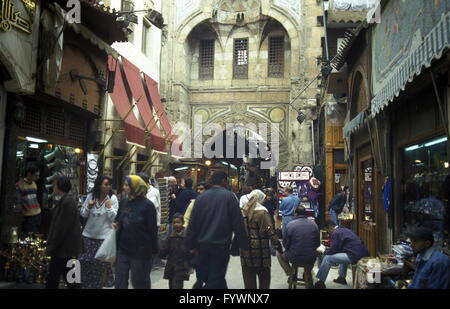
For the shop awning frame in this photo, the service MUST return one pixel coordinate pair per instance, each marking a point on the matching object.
(133, 75)
(152, 87)
(134, 133)
(432, 48)
(355, 124)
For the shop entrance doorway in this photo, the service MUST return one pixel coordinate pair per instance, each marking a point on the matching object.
(366, 203)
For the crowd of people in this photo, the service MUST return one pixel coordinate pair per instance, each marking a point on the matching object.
(206, 227)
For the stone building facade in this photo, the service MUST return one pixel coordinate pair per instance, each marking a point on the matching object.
(244, 62)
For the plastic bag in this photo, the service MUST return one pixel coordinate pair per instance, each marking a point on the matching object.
(107, 251)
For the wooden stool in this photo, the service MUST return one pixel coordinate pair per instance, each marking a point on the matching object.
(307, 276)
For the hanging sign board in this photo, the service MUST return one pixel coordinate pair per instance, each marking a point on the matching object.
(294, 176)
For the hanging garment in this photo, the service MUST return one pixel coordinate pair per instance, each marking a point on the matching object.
(387, 195)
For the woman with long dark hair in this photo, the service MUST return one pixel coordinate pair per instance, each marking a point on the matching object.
(100, 209)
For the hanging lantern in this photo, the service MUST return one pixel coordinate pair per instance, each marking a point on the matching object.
(19, 110)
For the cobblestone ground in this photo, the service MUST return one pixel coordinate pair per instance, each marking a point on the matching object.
(235, 281)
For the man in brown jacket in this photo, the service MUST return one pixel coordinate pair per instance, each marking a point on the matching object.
(64, 238)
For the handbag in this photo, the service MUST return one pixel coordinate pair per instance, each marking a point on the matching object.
(108, 250)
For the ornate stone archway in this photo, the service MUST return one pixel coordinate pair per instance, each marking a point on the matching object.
(239, 117)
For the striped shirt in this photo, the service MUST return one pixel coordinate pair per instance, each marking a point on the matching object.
(28, 198)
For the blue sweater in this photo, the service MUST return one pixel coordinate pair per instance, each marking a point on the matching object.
(138, 232)
(288, 205)
(432, 271)
(344, 240)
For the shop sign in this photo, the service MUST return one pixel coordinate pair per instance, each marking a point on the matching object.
(11, 16)
(368, 175)
(19, 36)
(337, 178)
(92, 170)
(293, 176)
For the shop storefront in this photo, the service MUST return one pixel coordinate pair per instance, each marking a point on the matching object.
(425, 169)
(54, 140)
(48, 124)
(410, 100)
(422, 161)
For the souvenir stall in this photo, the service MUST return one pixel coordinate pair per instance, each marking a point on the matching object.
(26, 261)
(305, 186)
(164, 195)
(386, 271)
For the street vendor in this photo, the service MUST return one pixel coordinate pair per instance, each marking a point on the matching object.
(346, 249)
(432, 266)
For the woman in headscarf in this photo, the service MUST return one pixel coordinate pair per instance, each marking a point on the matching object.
(256, 262)
(137, 238)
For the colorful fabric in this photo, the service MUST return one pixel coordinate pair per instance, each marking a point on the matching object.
(387, 196)
(137, 185)
(28, 198)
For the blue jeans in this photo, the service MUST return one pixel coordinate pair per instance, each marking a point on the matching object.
(212, 265)
(334, 216)
(140, 272)
(315, 207)
(339, 258)
(285, 221)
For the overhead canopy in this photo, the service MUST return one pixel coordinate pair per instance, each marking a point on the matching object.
(133, 75)
(407, 53)
(98, 17)
(134, 133)
(152, 87)
(354, 125)
(86, 33)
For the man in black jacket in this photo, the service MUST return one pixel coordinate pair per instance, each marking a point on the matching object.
(214, 219)
(64, 238)
(186, 196)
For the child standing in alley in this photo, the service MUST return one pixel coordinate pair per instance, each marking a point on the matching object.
(179, 259)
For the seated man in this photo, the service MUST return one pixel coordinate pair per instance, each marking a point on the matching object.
(301, 240)
(432, 266)
(346, 248)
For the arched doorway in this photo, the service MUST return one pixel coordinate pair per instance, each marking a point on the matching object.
(243, 154)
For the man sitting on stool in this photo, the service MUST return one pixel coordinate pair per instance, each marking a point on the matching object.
(300, 241)
(346, 248)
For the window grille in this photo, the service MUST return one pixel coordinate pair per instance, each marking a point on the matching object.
(77, 131)
(276, 57)
(32, 118)
(240, 63)
(55, 122)
(206, 61)
(127, 6)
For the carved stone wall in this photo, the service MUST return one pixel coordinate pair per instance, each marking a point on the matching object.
(258, 98)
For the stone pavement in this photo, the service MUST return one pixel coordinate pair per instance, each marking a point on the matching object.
(235, 281)
(234, 278)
